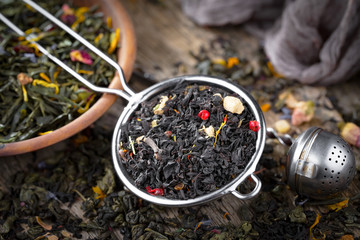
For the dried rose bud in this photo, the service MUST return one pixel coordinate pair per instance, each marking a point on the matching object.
(351, 133)
(282, 126)
(233, 104)
(24, 79)
(303, 112)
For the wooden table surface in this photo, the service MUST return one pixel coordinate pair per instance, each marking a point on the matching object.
(165, 36)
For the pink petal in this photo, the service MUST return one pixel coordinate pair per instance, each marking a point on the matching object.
(80, 56)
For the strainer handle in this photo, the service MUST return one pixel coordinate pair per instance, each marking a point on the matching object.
(254, 192)
(63, 65)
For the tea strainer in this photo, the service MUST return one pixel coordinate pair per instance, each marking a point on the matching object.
(319, 164)
(135, 100)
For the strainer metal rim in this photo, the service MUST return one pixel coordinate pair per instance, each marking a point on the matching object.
(228, 188)
(295, 152)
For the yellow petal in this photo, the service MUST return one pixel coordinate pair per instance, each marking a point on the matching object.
(265, 107)
(219, 61)
(338, 206)
(44, 133)
(232, 62)
(99, 192)
(46, 84)
(218, 131)
(114, 40)
(24, 93)
(351, 133)
(98, 38)
(314, 224)
(273, 71)
(45, 77)
(109, 22)
(84, 109)
(44, 225)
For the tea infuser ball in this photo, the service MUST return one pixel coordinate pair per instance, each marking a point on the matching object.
(319, 164)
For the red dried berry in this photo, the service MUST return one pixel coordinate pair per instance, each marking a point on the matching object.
(204, 114)
(168, 133)
(254, 125)
(155, 191)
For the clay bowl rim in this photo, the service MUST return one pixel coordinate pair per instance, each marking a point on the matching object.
(126, 59)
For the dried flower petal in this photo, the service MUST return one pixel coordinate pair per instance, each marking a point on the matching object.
(288, 99)
(114, 38)
(158, 109)
(351, 133)
(24, 79)
(179, 186)
(46, 84)
(139, 139)
(80, 56)
(338, 206)
(99, 192)
(44, 225)
(233, 104)
(314, 224)
(79, 13)
(282, 126)
(219, 61)
(210, 131)
(109, 22)
(303, 112)
(265, 107)
(98, 38)
(347, 237)
(68, 17)
(273, 71)
(23, 48)
(232, 61)
(45, 77)
(218, 131)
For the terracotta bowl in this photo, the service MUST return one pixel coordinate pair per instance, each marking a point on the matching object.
(126, 59)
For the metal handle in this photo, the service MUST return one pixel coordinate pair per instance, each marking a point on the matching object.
(255, 191)
(83, 41)
(127, 93)
(286, 139)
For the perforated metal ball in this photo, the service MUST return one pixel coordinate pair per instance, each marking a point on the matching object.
(320, 164)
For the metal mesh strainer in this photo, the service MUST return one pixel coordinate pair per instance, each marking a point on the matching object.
(319, 164)
(135, 100)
